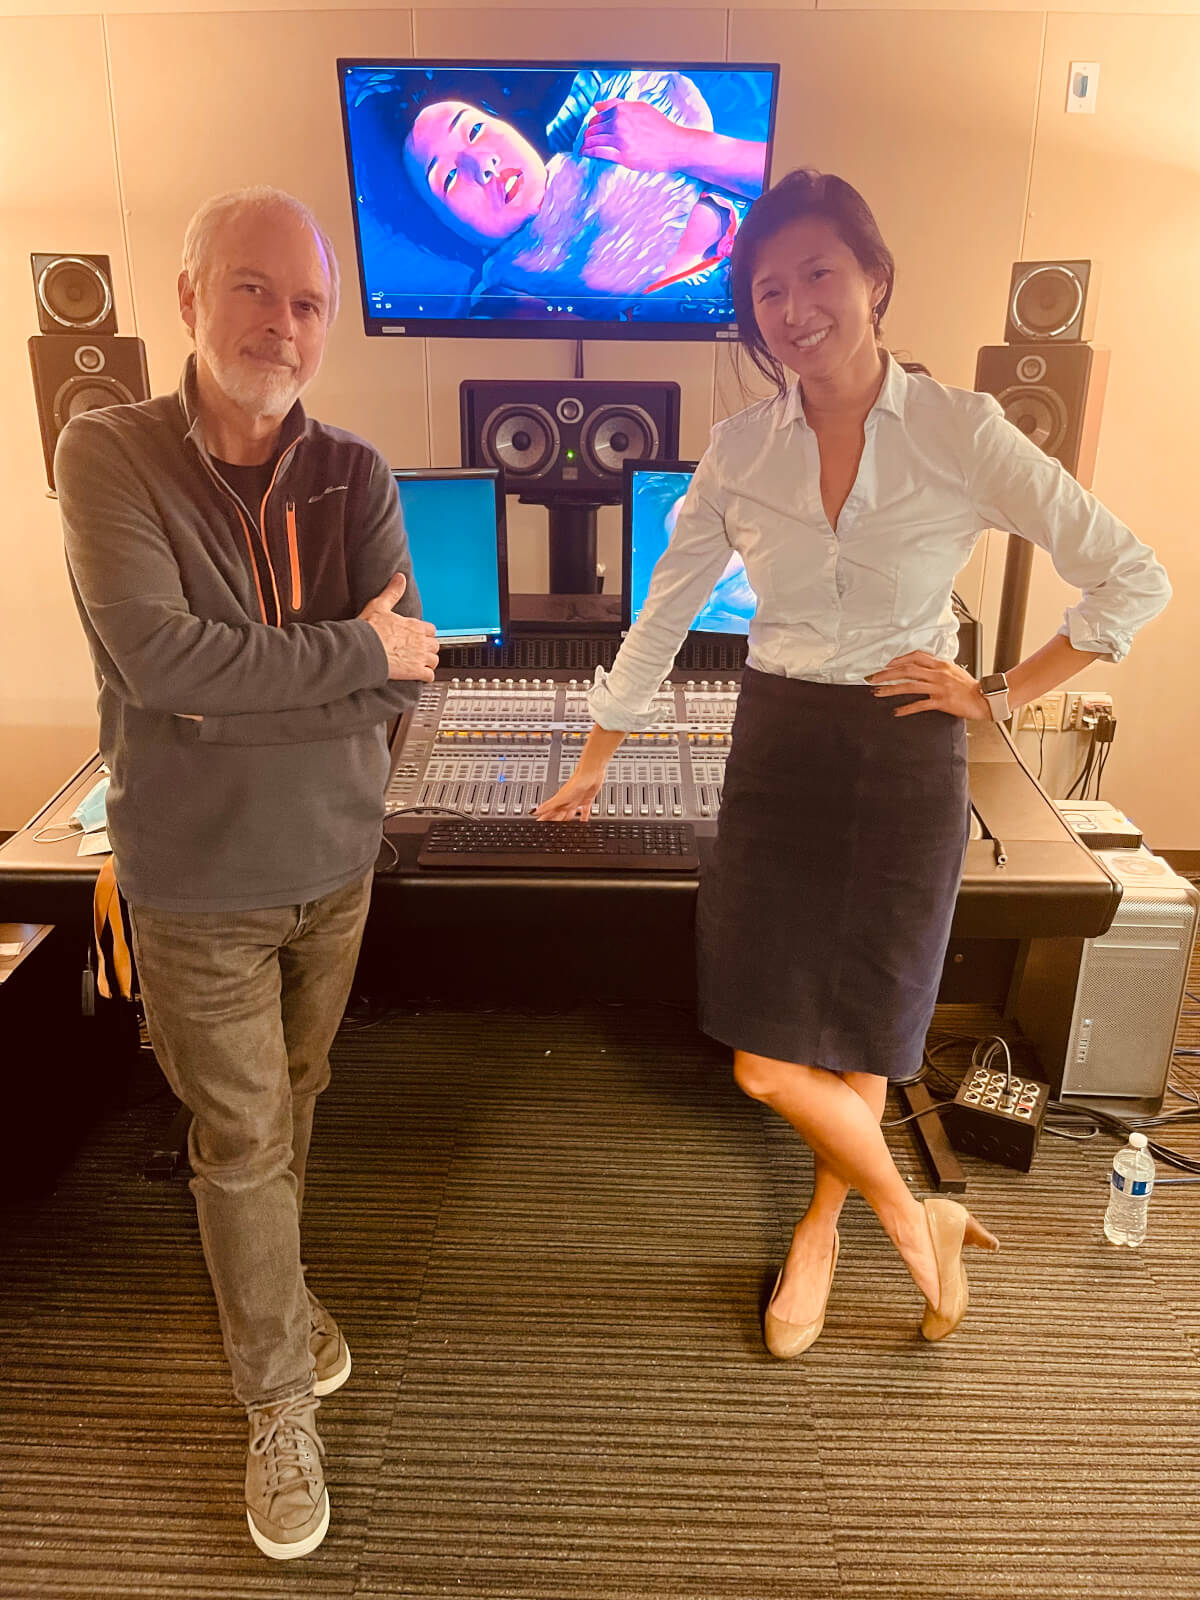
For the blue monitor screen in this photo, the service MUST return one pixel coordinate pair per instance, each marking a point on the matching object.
(579, 199)
(654, 497)
(452, 522)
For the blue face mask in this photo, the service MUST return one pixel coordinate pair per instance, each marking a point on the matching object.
(90, 812)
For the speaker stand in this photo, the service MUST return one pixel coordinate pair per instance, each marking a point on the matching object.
(572, 547)
(1014, 600)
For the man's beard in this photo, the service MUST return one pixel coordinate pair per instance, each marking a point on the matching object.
(261, 391)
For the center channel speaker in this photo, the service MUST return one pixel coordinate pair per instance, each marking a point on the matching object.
(1054, 393)
(83, 373)
(569, 440)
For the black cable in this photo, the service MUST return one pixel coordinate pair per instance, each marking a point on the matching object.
(1074, 1115)
(428, 811)
(1038, 712)
(1100, 766)
(1086, 770)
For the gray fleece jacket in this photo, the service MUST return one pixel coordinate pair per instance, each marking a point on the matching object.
(196, 605)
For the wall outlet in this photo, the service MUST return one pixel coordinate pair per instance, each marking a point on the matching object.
(1082, 709)
(1047, 706)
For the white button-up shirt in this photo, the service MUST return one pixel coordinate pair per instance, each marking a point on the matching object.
(938, 467)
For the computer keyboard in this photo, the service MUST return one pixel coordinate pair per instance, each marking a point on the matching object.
(530, 846)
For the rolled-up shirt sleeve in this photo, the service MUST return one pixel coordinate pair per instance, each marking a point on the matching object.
(695, 557)
(1016, 486)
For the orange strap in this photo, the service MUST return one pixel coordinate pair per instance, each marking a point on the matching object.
(114, 962)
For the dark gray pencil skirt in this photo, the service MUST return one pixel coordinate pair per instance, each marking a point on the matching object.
(824, 919)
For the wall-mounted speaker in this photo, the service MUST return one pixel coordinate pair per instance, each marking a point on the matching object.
(73, 375)
(1052, 302)
(1054, 393)
(74, 294)
(569, 440)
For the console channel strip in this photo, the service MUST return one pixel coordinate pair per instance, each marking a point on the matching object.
(496, 747)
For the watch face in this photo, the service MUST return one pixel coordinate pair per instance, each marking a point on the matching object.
(994, 683)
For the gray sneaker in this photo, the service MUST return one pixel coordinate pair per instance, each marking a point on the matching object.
(287, 1503)
(330, 1352)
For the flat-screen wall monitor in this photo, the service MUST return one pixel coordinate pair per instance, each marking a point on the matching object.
(654, 493)
(454, 519)
(583, 199)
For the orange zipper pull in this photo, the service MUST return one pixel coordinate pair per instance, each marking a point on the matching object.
(293, 553)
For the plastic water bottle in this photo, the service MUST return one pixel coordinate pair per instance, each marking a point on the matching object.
(1132, 1186)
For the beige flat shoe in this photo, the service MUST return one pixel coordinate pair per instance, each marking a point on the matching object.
(788, 1339)
(951, 1228)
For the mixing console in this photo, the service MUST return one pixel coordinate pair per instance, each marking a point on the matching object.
(495, 747)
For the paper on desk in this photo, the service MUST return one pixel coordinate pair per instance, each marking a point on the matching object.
(95, 844)
(14, 936)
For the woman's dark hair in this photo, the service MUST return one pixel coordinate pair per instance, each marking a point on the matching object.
(806, 193)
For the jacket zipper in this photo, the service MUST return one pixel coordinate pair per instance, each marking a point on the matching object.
(293, 553)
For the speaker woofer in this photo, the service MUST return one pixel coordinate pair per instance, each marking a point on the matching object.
(614, 435)
(1051, 302)
(74, 292)
(82, 394)
(1039, 413)
(522, 439)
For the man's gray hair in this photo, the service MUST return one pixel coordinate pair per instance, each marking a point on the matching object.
(223, 208)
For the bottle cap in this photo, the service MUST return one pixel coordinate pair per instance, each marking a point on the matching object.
(1138, 1141)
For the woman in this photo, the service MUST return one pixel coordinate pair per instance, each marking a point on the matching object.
(854, 496)
(620, 208)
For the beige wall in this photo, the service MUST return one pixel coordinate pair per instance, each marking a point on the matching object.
(950, 118)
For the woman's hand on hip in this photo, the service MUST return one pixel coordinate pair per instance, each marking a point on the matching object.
(945, 685)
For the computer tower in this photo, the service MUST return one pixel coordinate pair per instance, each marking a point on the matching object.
(1103, 1013)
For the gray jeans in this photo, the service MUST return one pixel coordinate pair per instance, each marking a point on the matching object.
(242, 1007)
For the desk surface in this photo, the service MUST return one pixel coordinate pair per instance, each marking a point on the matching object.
(1050, 885)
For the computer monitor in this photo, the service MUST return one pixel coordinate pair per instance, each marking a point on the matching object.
(454, 518)
(558, 199)
(654, 492)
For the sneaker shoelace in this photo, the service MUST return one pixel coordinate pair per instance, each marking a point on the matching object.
(283, 1437)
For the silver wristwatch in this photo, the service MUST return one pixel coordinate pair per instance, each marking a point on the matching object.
(994, 688)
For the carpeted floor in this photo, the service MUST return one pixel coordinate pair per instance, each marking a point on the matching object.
(548, 1239)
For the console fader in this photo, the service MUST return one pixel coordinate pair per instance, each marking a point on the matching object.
(495, 747)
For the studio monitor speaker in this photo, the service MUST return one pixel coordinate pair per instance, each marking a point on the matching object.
(567, 440)
(77, 374)
(1051, 302)
(74, 294)
(1054, 393)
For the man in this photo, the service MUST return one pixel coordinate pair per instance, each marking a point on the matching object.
(245, 585)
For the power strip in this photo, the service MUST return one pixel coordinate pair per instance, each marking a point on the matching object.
(997, 1117)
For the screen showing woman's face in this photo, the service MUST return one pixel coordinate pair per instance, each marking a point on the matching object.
(481, 177)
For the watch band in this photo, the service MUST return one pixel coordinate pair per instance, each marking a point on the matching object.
(994, 688)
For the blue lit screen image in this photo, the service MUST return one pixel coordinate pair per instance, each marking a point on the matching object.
(451, 527)
(654, 506)
(528, 195)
